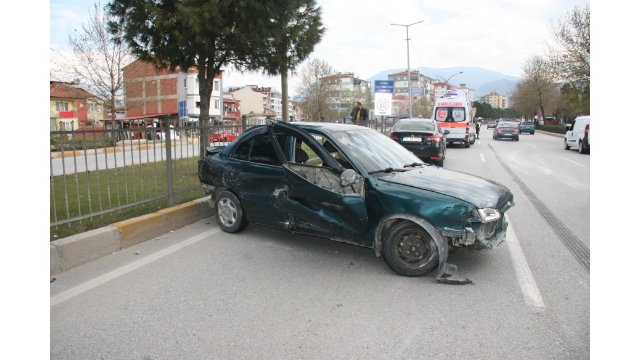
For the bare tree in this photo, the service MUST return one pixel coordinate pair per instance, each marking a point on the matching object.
(570, 56)
(315, 90)
(539, 81)
(96, 59)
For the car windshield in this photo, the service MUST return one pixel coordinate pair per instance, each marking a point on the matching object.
(414, 125)
(375, 151)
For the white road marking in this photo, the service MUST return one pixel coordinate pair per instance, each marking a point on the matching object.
(572, 161)
(482, 157)
(525, 277)
(530, 144)
(66, 295)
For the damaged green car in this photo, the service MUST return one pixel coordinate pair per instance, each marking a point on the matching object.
(352, 184)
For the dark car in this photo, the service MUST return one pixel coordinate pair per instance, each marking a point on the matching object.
(506, 130)
(527, 126)
(423, 137)
(353, 184)
(491, 124)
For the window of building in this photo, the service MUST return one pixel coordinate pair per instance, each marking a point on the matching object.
(216, 85)
(62, 106)
(185, 82)
(216, 104)
(52, 124)
(92, 107)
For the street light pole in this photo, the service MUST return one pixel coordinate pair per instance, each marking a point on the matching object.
(447, 81)
(408, 66)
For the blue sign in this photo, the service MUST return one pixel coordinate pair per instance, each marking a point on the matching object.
(182, 108)
(417, 92)
(383, 90)
(384, 83)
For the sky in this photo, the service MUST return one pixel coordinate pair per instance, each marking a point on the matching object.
(496, 35)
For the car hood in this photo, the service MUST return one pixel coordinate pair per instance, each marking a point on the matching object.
(473, 189)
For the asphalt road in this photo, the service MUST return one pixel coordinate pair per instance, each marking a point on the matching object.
(265, 293)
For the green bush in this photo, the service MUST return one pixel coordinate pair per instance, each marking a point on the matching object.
(559, 129)
(81, 144)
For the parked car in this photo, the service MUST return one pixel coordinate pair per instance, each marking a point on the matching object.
(353, 184)
(527, 126)
(223, 136)
(506, 129)
(577, 135)
(423, 137)
(491, 124)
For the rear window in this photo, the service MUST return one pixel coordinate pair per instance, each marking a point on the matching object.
(450, 114)
(507, 124)
(527, 123)
(414, 125)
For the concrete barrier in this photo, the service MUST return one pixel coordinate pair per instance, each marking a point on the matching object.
(80, 249)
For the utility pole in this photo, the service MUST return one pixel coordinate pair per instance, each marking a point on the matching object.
(408, 66)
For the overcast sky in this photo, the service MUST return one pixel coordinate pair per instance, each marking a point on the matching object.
(491, 34)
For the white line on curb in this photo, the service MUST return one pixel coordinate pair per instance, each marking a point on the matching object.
(66, 295)
(482, 157)
(527, 282)
(572, 161)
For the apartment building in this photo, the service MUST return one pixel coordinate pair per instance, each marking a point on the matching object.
(494, 99)
(150, 93)
(421, 85)
(71, 107)
(346, 90)
(259, 100)
(440, 89)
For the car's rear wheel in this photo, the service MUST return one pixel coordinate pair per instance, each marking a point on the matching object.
(566, 146)
(474, 140)
(439, 162)
(467, 144)
(229, 213)
(533, 133)
(581, 148)
(518, 138)
(409, 250)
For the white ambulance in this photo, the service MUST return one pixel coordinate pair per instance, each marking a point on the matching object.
(454, 112)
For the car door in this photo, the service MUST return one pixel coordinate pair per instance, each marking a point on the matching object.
(254, 173)
(313, 193)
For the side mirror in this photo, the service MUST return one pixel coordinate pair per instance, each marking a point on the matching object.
(446, 132)
(349, 177)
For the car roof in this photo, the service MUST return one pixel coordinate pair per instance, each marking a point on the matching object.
(327, 126)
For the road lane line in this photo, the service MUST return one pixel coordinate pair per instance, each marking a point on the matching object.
(482, 157)
(573, 161)
(530, 144)
(68, 294)
(525, 277)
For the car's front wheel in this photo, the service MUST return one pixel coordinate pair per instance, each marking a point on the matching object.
(566, 146)
(409, 250)
(229, 213)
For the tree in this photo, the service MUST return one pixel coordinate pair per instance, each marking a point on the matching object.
(184, 33)
(315, 90)
(423, 106)
(294, 31)
(96, 59)
(570, 59)
(539, 82)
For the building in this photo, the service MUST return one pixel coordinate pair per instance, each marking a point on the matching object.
(346, 90)
(150, 94)
(231, 108)
(494, 99)
(471, 95)
(259, 100)
(440, 89)
(71, 107)
(420, 85)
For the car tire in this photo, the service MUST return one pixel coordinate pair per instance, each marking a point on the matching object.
(518, 138)
(581, 148)
(467, 144)
(439, 162)
(229, 213)
(409, 250)
(566, 146)
(533, 133)
(474, 141)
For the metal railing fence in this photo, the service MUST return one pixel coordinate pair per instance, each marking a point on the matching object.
(100, 172)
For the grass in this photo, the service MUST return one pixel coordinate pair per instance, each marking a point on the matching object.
(107, 189)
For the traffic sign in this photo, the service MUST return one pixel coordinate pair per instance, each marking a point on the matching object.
(383, 86)
(383, 104)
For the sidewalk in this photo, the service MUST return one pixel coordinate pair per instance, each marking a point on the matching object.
(82, 248)
(123, 146)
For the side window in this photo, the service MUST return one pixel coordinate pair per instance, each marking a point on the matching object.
(263, 152)
(242, 151)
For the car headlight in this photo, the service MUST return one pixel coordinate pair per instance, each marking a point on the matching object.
(489, 214)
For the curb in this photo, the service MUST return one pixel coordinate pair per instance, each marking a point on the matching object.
(79, 249)
(550, 133)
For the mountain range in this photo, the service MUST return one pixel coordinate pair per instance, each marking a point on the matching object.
(482, 81)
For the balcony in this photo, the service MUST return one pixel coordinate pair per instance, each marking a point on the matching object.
(67, 114)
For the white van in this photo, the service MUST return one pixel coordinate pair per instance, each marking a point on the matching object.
(454, 112)
(578, 135)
